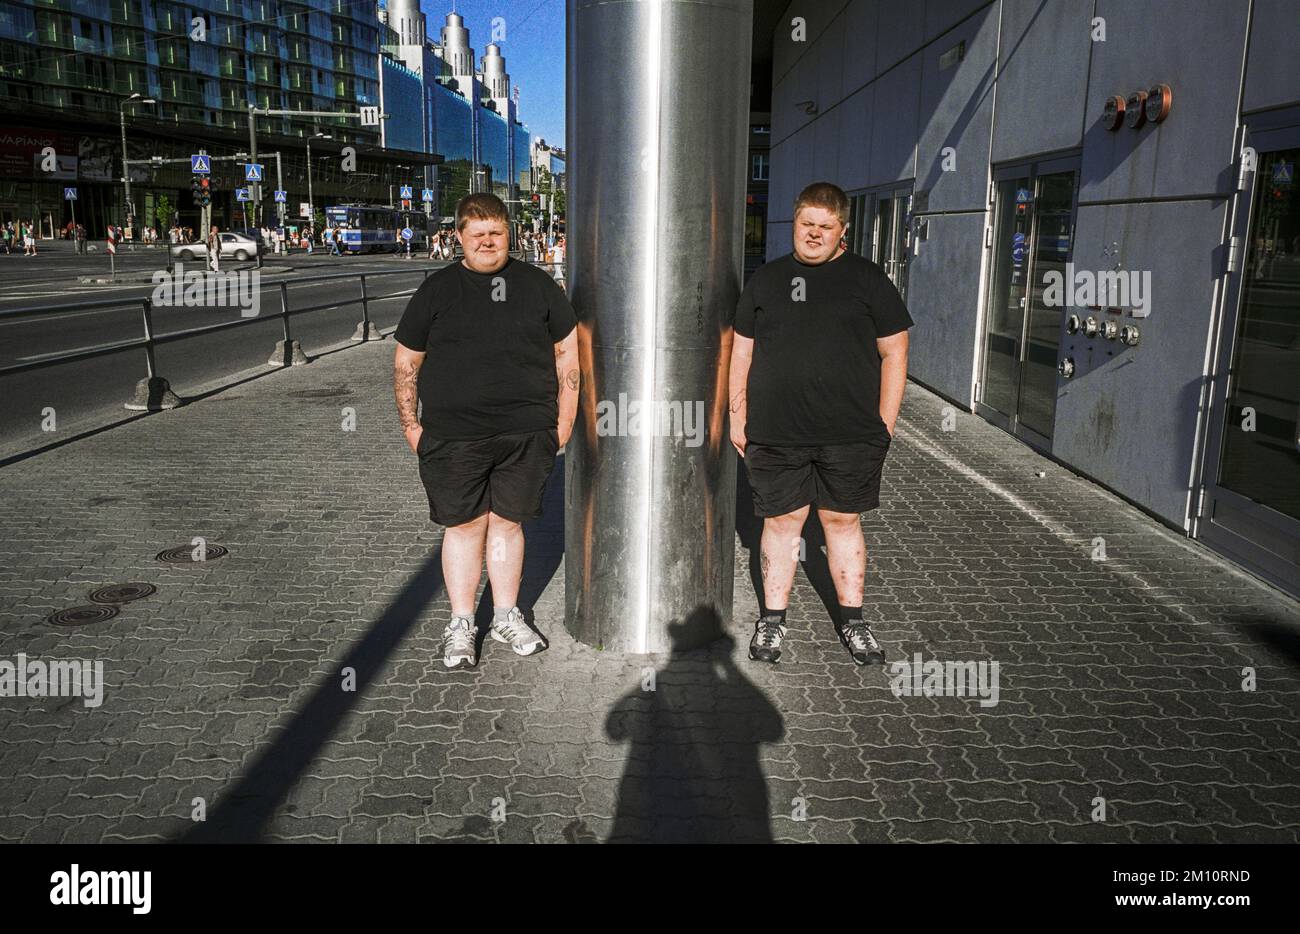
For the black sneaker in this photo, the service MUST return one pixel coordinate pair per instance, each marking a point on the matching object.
(862, 645)
(769, 632)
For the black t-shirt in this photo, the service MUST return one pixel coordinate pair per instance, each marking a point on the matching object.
(815, 376)
(490, 340)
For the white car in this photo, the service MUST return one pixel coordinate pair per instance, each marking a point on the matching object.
(233, 245)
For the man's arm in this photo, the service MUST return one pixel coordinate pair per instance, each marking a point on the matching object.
(893, 376)
(406, 375)
(742, 355)
(567, 375)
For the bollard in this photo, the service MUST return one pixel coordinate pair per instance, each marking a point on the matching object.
(153, 393)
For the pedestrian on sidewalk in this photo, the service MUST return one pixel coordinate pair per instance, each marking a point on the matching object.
(499, 396)
(214, 249)
(80, 234)
(818, 367)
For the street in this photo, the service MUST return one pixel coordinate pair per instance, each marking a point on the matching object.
(91, 393)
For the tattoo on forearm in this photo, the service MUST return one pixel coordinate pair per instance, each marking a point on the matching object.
(571, 379)
(406, 379)
(737, 401)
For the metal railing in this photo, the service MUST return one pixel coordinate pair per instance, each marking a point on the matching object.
(153, 386)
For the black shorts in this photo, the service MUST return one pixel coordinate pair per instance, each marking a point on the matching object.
(505, 474)
(838, 477)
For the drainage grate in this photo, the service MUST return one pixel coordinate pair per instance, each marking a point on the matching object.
(184, 554)
(82, 615)
(123, 593)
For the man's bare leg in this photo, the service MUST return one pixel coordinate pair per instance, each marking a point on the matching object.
(462, 563)
(505, 559)
(780, 553)
(846, 553)
(779, 550)
(505, 544)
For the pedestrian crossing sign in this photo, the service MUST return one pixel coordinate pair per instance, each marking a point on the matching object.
(241, 194)
(69, 194)
(201, 164)
(406, 193)
(426, 194)
(252, 172)
(1283, 173)
(281, 197)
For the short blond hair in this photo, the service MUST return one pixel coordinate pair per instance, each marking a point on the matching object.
(824, 195)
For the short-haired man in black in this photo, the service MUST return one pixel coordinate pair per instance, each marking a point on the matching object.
(818, 368)
(489, 347)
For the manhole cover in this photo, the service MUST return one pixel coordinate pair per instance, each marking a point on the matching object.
(82, 615)
(184, 554)
(123, 593)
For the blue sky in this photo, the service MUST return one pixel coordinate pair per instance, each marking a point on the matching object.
(533, 47)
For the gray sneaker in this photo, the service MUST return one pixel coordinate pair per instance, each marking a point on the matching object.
(861, 643)
(769, 633)
(458, 643)
(515, 632)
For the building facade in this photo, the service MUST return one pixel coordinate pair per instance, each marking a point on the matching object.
(1091, 210)
(174, 78)
(471, 112)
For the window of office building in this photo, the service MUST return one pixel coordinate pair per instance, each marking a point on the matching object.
(758, 163)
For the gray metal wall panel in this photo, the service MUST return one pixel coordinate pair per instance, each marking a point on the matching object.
(855, 140)
(899, 31)
(1197, 52)
(829, 53)
(942, 15)
(1041, 87)
(860, 25)
(1272, 75)
(956, 107)
(894, 123)
(943, 298)
(826, 156)
(780, 184)
(1129, 419)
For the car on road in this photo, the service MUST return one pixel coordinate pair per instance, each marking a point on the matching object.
(233, 246)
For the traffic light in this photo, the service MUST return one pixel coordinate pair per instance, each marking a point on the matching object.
(194, 188)
(537, 199)
(205, 191)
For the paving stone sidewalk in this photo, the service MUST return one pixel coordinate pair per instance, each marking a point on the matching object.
(1120, 691)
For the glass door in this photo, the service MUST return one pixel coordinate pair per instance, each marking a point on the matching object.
(891, 234)
(1033, 234)
(1251, 507)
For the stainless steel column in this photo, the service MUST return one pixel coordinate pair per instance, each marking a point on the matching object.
(658, 100)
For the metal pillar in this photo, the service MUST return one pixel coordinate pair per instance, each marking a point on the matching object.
(658, 122)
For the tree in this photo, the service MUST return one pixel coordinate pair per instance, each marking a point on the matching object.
(162, 212)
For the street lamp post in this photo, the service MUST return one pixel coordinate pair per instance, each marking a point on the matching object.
(135, 98)
(311, 201)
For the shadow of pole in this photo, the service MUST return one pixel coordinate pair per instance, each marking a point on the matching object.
(244, 813)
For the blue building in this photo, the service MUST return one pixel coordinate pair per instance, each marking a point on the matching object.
(470, 115)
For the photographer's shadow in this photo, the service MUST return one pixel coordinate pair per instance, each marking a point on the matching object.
(694, 728)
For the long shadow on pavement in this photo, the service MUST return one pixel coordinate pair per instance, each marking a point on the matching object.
(244, 812)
